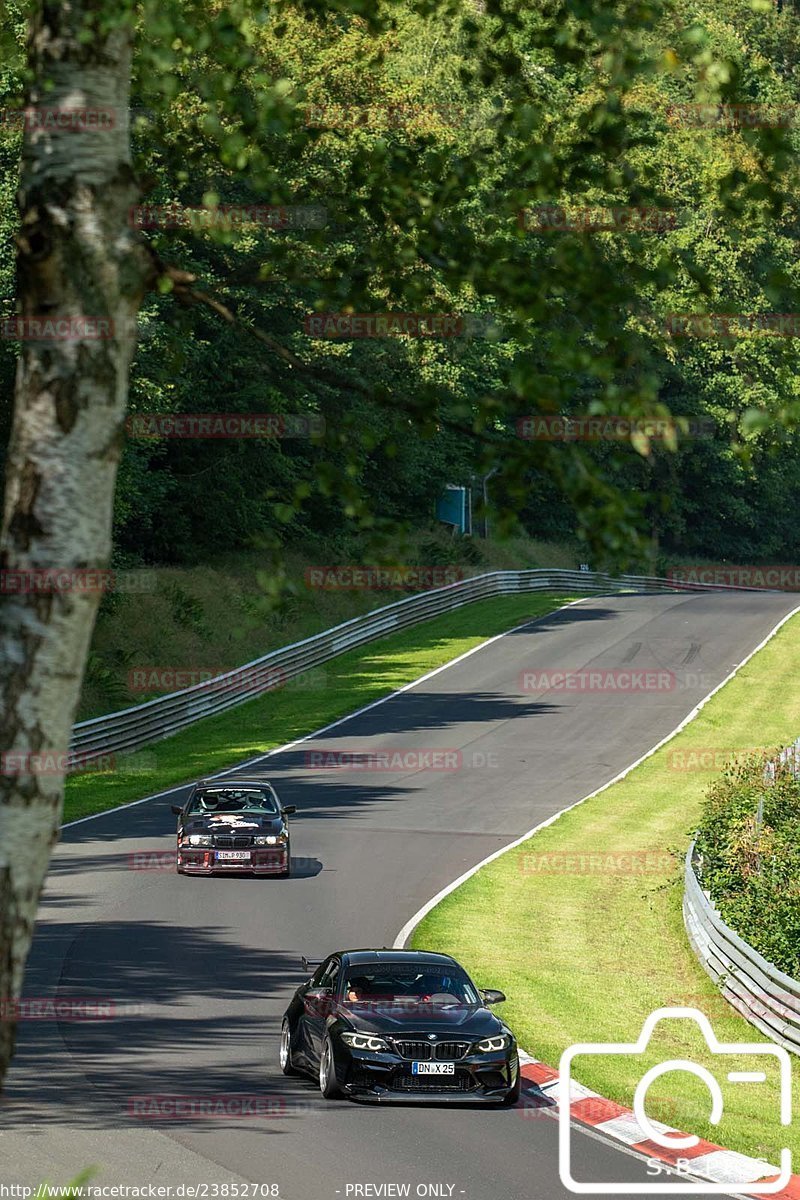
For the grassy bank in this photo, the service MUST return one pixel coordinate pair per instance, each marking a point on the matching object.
(581, 925)
(305, 704)
(215, 617)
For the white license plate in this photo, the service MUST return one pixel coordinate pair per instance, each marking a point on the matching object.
(429, 1068)
(233, 855)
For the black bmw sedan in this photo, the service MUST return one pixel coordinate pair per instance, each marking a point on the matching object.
(237, 825)
(404, 1025)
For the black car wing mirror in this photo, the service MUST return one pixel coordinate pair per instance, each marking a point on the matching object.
(319, 1001)
(492, 996)
(289, 809)
(176, 808)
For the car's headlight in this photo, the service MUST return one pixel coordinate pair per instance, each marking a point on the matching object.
(197, 839)
(364, 1041)
(272, 840)
(501, 1042)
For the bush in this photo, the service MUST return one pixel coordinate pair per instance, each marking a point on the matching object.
(445, 549)
(752, 872)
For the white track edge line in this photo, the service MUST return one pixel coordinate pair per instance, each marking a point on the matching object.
(411, 924)
(339, 720)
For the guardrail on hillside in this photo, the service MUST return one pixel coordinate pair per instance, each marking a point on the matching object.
(142, 724)
(765, 996)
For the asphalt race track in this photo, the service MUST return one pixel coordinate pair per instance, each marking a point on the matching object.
(200, 970)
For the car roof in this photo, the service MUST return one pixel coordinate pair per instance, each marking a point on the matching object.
(361, 958)
(211, 785)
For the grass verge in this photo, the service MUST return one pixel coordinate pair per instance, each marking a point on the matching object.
(220, 615)
(581, 925)
(303, 705)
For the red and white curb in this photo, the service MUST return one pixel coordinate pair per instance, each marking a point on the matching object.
(614, 1121)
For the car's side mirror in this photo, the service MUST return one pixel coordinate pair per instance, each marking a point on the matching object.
(176, 808)
(318, 1001)
(492, 996)
(289, 809)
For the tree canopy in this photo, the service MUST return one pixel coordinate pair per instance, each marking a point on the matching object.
(413, 135)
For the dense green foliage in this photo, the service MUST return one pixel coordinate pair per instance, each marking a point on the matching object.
(752, 870)
(436, 123)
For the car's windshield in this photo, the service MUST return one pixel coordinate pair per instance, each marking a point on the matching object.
(234, 800)
(413, 985)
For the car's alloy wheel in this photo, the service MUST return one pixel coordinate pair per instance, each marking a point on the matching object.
(327, 1073)
(285, 1051)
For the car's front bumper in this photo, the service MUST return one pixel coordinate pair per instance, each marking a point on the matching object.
(263, 861)
(477, 1078)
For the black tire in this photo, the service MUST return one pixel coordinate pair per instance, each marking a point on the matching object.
(328, 1083)
(513, 1096)
(285, 1052)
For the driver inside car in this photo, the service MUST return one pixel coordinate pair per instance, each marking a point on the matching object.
(357, 988)
(433, 989)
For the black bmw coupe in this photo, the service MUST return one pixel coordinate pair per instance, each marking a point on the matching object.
(236, 825)
(403, 1025)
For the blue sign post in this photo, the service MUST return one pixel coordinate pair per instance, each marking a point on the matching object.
(454, 508)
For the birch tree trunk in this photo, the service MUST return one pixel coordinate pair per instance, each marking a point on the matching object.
(77, 258)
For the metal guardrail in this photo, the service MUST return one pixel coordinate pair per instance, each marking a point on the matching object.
(143, 724)
(763, 995)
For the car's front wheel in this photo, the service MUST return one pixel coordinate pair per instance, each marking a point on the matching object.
(285, 1051)
(328, 1083)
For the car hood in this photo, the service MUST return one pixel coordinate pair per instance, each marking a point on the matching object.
(227, 824)
(465, 1020)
